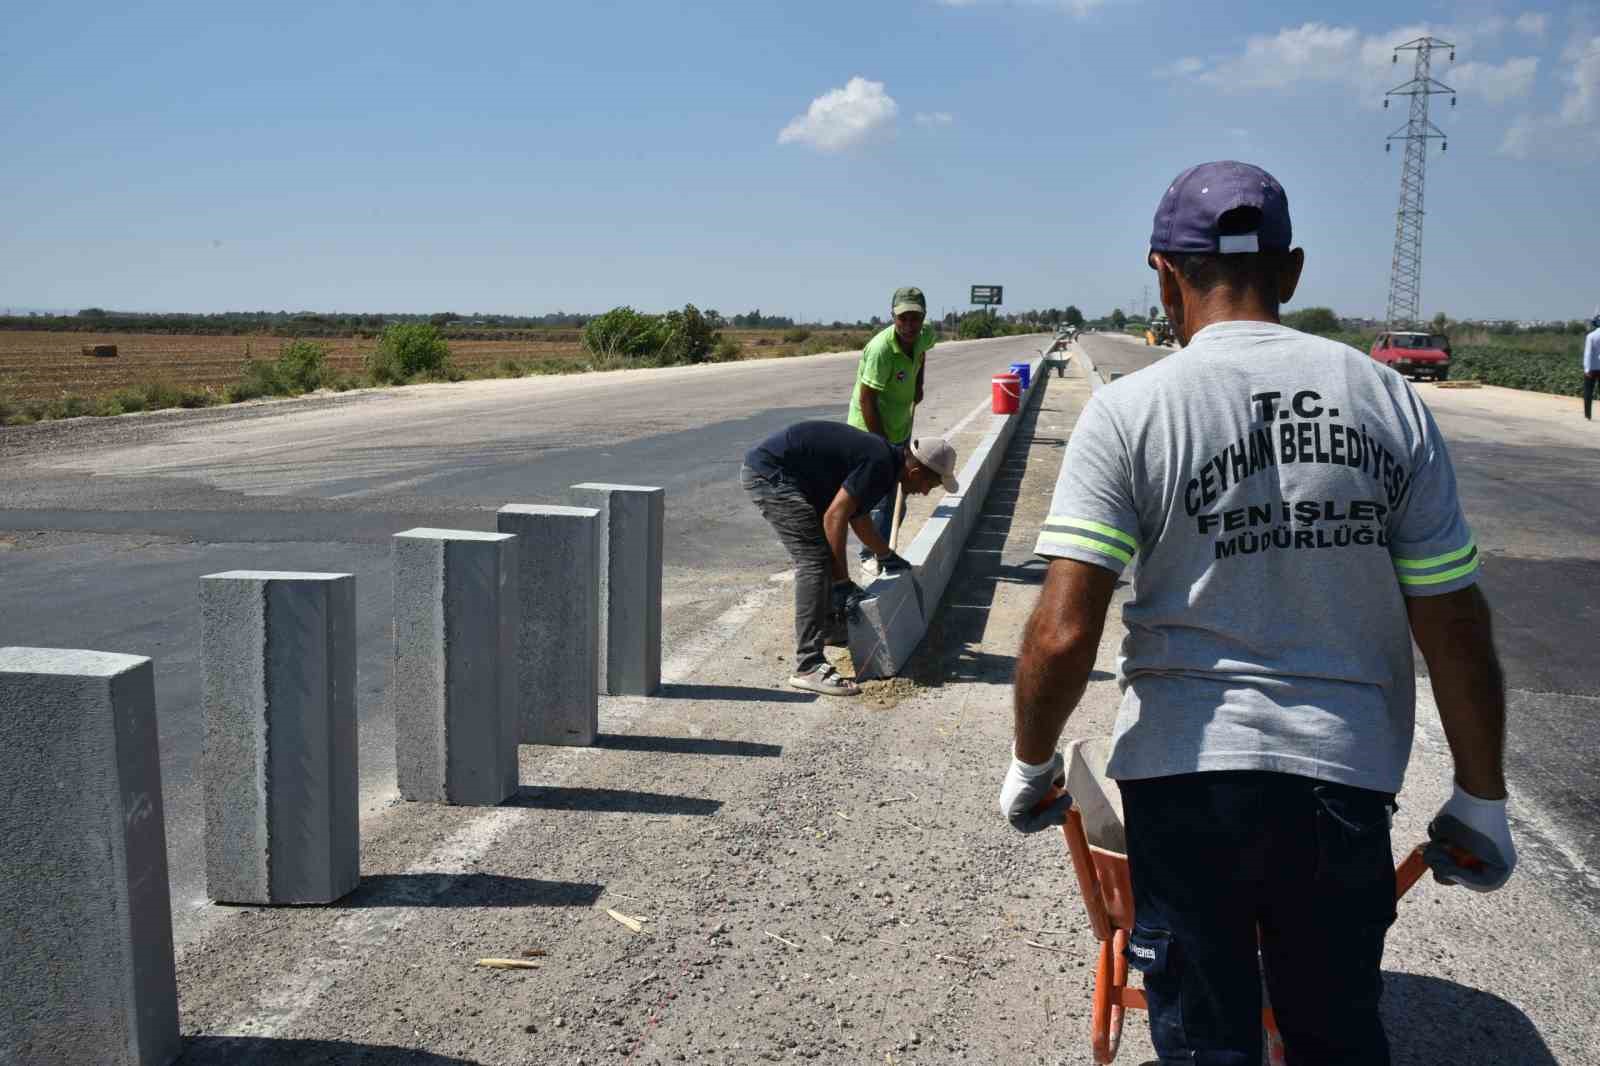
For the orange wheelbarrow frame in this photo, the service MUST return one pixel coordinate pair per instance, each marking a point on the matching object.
(1107, 891)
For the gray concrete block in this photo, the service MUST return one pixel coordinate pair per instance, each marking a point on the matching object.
(86, 947)
(558, 640)
(631, 522)
(279, 765)
(454, 688)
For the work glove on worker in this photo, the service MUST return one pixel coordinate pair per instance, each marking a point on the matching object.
(893, 563)
(1025, 789)
(1469, 843)
(847, 597)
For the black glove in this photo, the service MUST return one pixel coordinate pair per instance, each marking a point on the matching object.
(847, 596)
(893, 563)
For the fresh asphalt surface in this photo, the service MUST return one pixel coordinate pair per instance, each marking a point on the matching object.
(107, 525)
(1530, 485)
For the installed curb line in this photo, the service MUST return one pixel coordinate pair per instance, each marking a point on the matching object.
(894, 618)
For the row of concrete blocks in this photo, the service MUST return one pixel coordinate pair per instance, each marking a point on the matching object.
(497, 640)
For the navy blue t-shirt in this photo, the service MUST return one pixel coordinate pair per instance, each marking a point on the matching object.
(820, 458)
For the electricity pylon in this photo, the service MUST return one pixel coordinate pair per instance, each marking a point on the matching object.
(1405, 272)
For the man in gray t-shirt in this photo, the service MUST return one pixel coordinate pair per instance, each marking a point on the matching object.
(1289, 513)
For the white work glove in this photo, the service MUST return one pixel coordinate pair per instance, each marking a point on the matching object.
(1026, 786)
(1469, 843)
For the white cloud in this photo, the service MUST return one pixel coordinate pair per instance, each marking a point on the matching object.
(1319, 53)
(933, 119)
(1497, 84)
(1533, 23)
(1574, 129)
(843, 118)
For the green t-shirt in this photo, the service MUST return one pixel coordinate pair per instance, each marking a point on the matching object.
(892, 374)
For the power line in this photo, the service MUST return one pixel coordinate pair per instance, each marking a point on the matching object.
(1405, 271)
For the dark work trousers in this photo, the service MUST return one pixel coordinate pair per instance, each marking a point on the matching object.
(800, 529)
(1215, 856)
(1591, 382)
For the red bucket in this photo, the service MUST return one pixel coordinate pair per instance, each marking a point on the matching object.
(1007, 393)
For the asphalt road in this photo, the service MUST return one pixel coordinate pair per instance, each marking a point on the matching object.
(107, 525)
(1529, 478)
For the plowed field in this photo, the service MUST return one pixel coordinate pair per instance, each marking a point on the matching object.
(44, 366)
(47, 366)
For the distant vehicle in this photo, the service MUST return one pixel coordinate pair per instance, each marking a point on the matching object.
(1416, 355)
(1159, 332)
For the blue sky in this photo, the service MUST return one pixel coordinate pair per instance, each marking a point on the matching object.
(804, 158)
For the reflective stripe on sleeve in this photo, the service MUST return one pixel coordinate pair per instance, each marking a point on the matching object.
(1060, 531)
(1437, 560)
(1442, 576)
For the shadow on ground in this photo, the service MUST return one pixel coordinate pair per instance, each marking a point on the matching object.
(688, 745)
(271, 1051)
(610, 801)
(1430, 1021)
(467, 890)
(951, 649)
(734, 693)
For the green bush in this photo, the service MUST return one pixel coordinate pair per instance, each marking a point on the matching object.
(727, 350)
(687, 337)
(302, 365)
(344, 383)
(622, 333)
(409, 350)
(795, 336)
(978, 326)
(69, 406)
(1320, 320)
(509, 368)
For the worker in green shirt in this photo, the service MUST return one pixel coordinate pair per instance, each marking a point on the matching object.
(889, 383)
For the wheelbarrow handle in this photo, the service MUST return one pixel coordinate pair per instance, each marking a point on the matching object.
(1414, 865)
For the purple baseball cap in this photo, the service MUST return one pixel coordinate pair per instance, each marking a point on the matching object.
(1187, 219)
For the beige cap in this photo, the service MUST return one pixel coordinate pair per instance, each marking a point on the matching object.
(936, 454)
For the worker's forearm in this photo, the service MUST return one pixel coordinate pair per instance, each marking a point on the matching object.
(834, 525)
(867, 533)
(1468, 688)
(1051, 678)
(869, 409)
(1470, 692)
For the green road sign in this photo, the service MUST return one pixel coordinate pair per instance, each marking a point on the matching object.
(986, 295)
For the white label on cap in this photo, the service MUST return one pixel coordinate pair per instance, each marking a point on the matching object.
(1243, 242)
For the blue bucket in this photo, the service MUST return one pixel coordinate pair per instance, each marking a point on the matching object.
(1022, 370)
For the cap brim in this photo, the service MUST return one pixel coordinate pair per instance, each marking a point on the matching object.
(951, 485)
(900, 308)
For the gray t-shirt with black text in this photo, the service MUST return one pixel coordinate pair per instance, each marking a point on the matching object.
(1281, 493)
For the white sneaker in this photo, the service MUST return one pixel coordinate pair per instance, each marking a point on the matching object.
(870, 570)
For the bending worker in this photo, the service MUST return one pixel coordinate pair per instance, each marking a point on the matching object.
(1591, 367)
(889, 384)
(1294, 513)
(813, 481)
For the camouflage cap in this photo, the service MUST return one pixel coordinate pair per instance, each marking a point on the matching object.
(909, 299)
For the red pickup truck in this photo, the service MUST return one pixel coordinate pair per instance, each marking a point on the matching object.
(1417, 355)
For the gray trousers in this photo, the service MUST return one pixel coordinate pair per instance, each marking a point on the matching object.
(800, 529)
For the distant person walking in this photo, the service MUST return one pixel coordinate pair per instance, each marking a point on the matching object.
(889, 385)
(812, 482)
(1591, 367)
(1293, 513)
